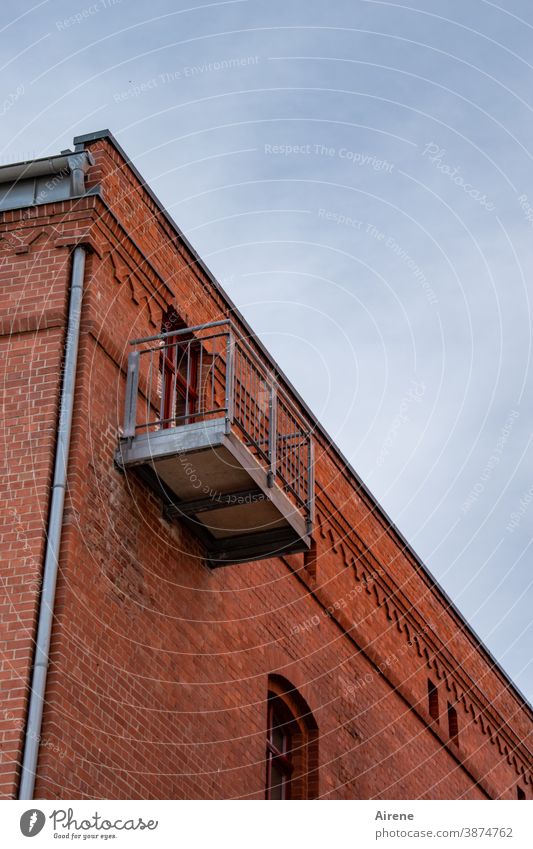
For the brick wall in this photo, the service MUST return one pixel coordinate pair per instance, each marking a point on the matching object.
(158, 682)
(33, 285)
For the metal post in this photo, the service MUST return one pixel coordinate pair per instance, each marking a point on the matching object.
(230, 388)
(272, 433)
(188, 379)
(130, 403)
(310, 486)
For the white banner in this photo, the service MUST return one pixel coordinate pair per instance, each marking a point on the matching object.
(264, 825)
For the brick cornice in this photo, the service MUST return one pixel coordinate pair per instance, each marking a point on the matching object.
(135, 267)
(352, 632)
(378, 584)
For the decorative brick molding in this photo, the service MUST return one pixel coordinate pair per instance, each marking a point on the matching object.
(378, 583)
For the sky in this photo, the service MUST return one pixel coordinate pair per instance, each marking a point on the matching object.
(359, 177)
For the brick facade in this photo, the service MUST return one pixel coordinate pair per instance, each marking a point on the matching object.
(160, 666)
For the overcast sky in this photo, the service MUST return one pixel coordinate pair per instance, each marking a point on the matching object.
(359, 176)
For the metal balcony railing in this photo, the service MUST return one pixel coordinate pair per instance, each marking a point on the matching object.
(196, 374)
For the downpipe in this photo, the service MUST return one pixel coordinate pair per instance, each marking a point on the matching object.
(55, 521)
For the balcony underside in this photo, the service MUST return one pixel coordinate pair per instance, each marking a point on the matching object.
(212, 482)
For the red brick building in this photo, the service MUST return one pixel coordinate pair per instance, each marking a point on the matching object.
(321, 660)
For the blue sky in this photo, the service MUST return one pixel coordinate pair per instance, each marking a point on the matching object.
(359, 177)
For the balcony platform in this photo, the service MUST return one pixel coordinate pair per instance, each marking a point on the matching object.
(210, 480)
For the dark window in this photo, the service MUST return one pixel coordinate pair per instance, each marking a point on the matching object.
(433, 700)
(179, 373)
(453, 725)
(310, 560)
(279, 750)
(520, 793)
(292, 744)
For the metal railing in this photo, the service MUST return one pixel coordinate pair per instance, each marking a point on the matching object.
(200, 373)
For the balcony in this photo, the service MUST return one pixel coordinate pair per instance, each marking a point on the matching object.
(207, 426)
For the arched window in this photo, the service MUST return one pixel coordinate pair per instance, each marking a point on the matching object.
(292, 744)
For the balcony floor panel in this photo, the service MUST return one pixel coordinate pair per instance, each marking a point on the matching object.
(256, 518)
(213, 482)
(206, 473)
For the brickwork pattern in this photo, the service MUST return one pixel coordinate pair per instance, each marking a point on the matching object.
(158, 681)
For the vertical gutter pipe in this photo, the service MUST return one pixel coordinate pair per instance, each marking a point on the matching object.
(55, 521)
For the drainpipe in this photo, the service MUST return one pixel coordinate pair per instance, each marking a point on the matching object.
(55, 521)
(79, 164)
